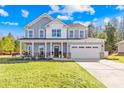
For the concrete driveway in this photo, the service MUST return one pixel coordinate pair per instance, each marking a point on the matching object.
(109, 73)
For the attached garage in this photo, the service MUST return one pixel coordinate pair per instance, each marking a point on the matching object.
(85, 51)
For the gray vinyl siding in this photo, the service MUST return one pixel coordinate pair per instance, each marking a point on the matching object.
(39, 25)
(26, 34)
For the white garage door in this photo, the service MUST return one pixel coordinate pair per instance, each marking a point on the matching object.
(85, 51)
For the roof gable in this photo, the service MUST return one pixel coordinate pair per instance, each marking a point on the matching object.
(37, 19)
(54, 21)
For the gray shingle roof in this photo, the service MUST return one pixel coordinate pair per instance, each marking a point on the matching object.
(75, 25)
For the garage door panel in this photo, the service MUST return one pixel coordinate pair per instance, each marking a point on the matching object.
(89, 51)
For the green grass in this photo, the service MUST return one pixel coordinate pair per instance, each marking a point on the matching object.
(45, 75)
(117, 58)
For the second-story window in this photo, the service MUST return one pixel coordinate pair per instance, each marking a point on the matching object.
(56, 33)
(81, 34)
(41, 34)
(71, 34)
(30, 34)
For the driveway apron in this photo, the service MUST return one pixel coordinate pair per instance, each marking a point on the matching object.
(109, 73)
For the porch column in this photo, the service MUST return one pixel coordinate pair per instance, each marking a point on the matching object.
(50, 49)
(67, 51)
(32, 49)
(45, 47)
(20, 49)
(62, 49)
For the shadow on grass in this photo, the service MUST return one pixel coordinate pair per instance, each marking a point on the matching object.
(20, 60)
(12, 61)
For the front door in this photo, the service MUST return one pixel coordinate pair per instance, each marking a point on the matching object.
(56, 51)
(41, 51)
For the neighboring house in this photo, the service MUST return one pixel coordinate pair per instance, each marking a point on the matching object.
(121, 48)
(51, 38)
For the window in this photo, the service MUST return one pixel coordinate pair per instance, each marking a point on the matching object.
(56, 33)
(88, 47)
(81, 46)
(41, 34)
(53, 33)
(81, 34)
(74, 46)
(30, 34)
(71, 34)
(95, 47)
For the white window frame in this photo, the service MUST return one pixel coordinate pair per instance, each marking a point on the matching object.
(32, 33)
(83, 33)
(56, 33)
(39, 33)
(73, 33)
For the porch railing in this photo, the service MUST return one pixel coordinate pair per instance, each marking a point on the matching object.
(48, 55)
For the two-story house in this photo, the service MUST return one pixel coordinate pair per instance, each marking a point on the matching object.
(51, 38)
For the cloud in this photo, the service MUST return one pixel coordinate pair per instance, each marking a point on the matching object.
(118, 18)
(95, 19)
(54, 8)
(120, 7)
(10, 23)
(83, 23)
(106, 20)
(64, 17)
(68, 10)
(25, 13)
(3, 13)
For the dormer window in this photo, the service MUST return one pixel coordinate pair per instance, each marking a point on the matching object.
(41, 33)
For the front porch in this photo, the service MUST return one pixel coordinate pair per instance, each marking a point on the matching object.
(45, 50)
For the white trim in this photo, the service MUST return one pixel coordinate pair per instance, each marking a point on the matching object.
(78, 41)
(39, 33)
(33, 49)
(56, 20)
(45, 46)
(20, 49)
(28, 33)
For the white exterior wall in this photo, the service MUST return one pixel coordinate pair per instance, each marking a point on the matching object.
(121, 47)
(56, 25)
(85, 52)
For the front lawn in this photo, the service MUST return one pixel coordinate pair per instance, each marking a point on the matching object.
(45, 74)
(116, 58)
